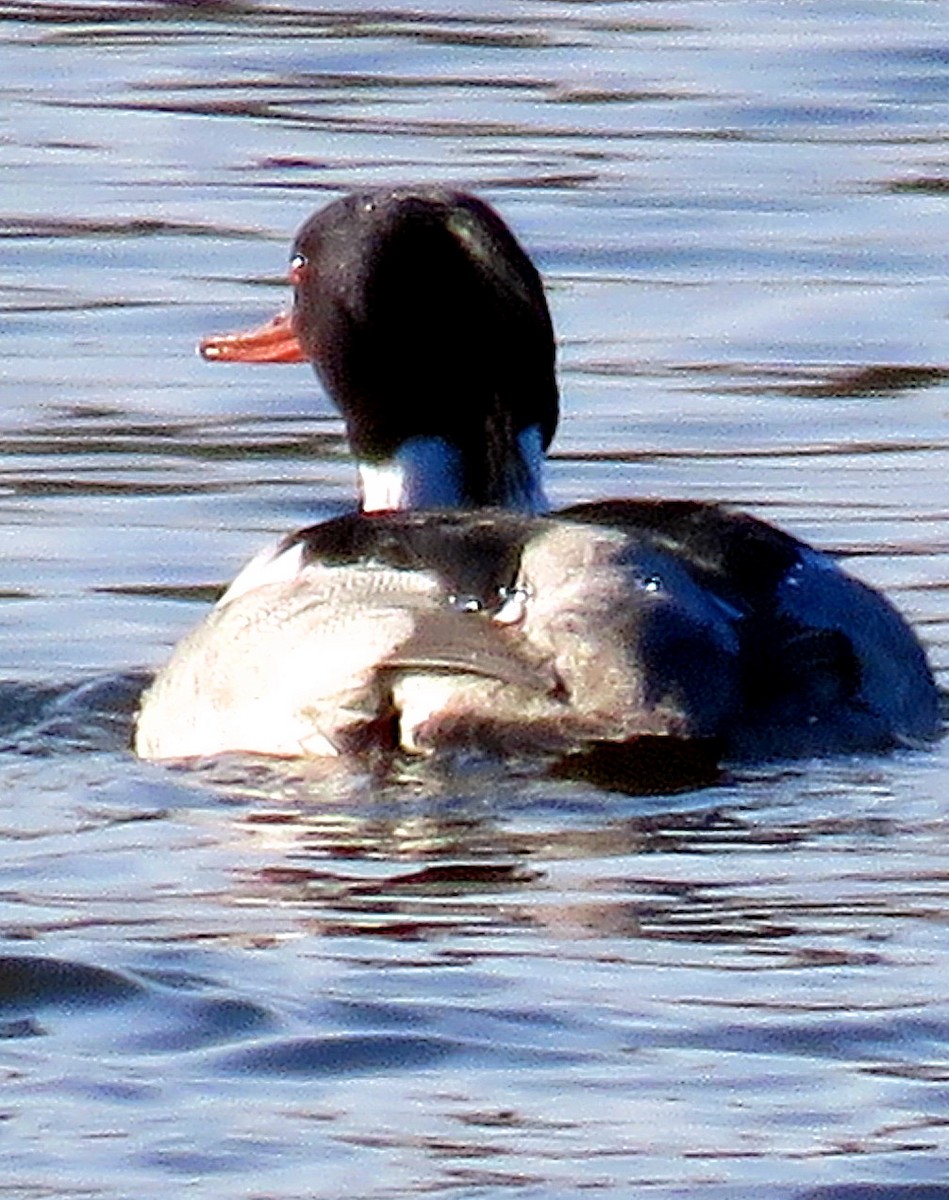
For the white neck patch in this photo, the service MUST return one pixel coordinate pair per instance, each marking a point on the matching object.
(426, 472)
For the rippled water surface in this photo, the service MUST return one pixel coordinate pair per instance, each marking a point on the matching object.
(297, 982)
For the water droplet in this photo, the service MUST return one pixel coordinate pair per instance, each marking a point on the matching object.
(513, 605)
(465, 603)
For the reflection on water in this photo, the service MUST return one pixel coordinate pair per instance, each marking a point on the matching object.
(469, 979)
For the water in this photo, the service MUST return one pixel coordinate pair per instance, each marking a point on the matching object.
(292, 981)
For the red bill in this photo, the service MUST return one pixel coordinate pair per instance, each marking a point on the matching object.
(274, 342)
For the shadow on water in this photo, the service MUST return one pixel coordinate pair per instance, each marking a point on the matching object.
(46, 719)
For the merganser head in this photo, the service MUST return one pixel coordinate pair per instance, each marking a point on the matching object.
(428, 324)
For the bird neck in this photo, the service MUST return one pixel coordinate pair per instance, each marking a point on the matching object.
(431, 472)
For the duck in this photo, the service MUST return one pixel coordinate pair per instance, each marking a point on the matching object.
(453, 610)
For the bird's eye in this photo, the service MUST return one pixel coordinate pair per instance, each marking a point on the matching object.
(297, 266)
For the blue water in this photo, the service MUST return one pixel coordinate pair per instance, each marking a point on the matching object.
(292, 980)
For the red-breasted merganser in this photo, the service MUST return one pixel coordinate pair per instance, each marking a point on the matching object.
(452, 610)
